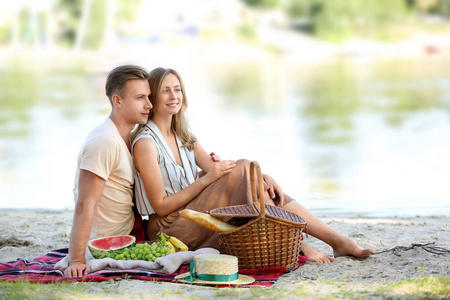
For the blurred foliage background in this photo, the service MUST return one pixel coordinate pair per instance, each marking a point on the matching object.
(346, 103)
(87, 23)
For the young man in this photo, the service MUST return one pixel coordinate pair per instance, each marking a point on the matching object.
(104, 180)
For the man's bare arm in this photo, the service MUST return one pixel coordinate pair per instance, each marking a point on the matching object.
(90, 189)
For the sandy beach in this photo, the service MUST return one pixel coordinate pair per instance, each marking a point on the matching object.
(406, 248)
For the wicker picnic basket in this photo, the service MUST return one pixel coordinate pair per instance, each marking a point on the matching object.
(271, 238)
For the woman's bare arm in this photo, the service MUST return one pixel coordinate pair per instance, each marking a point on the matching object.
(146, 160)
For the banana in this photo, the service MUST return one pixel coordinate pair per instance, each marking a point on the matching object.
(165, 241)
(171, 247)
(179, 245)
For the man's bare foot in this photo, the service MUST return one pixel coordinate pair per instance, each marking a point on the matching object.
(350, 248)
(314, 255)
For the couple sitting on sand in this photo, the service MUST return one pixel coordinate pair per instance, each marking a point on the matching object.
(164, 177)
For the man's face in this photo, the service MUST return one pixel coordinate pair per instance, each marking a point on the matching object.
(135, 103)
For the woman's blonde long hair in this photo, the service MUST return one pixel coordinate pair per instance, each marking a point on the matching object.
(180, 124)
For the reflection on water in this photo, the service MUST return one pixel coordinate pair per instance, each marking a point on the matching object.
(342, 137)
(47, 108)
(15, 114)
(405, 88)
(239, 86)
(26, 86)
(373, 131)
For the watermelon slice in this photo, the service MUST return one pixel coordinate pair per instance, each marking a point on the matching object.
(110, 246)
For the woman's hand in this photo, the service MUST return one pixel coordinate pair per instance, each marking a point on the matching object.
(274, 189)
(219, 169)
(214, 158)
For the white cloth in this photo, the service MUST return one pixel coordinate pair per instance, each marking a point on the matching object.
(175, 177)
(167, 264)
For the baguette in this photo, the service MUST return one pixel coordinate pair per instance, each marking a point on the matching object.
(206, 220)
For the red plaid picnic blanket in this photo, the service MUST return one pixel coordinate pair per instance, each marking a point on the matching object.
(42, 270)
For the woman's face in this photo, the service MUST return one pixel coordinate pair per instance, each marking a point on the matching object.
(170, 96)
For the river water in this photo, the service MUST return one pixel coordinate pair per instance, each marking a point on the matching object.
(343, 137)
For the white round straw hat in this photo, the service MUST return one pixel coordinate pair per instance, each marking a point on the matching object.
(214, 269)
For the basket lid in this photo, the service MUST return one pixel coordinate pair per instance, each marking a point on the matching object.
(245, 211)
(281, 214)
(252, 210)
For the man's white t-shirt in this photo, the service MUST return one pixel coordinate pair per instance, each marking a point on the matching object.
(105, 154)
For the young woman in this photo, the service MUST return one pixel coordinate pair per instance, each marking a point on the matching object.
(167, 156)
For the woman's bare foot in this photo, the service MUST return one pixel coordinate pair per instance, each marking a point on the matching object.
(314, 255)
(350, 248)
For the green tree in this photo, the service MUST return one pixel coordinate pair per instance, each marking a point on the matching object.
(94, 13)
(337, 20)
(70, 14)
(439, 7)
(262, 3)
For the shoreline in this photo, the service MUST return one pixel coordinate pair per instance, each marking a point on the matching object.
(402, 244)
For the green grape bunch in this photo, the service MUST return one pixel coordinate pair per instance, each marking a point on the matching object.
(145, 251)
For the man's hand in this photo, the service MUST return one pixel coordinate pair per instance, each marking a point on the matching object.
(214, 157)
(77, 270)
(274, 189)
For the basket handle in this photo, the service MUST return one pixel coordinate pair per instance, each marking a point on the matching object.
(254, 166)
